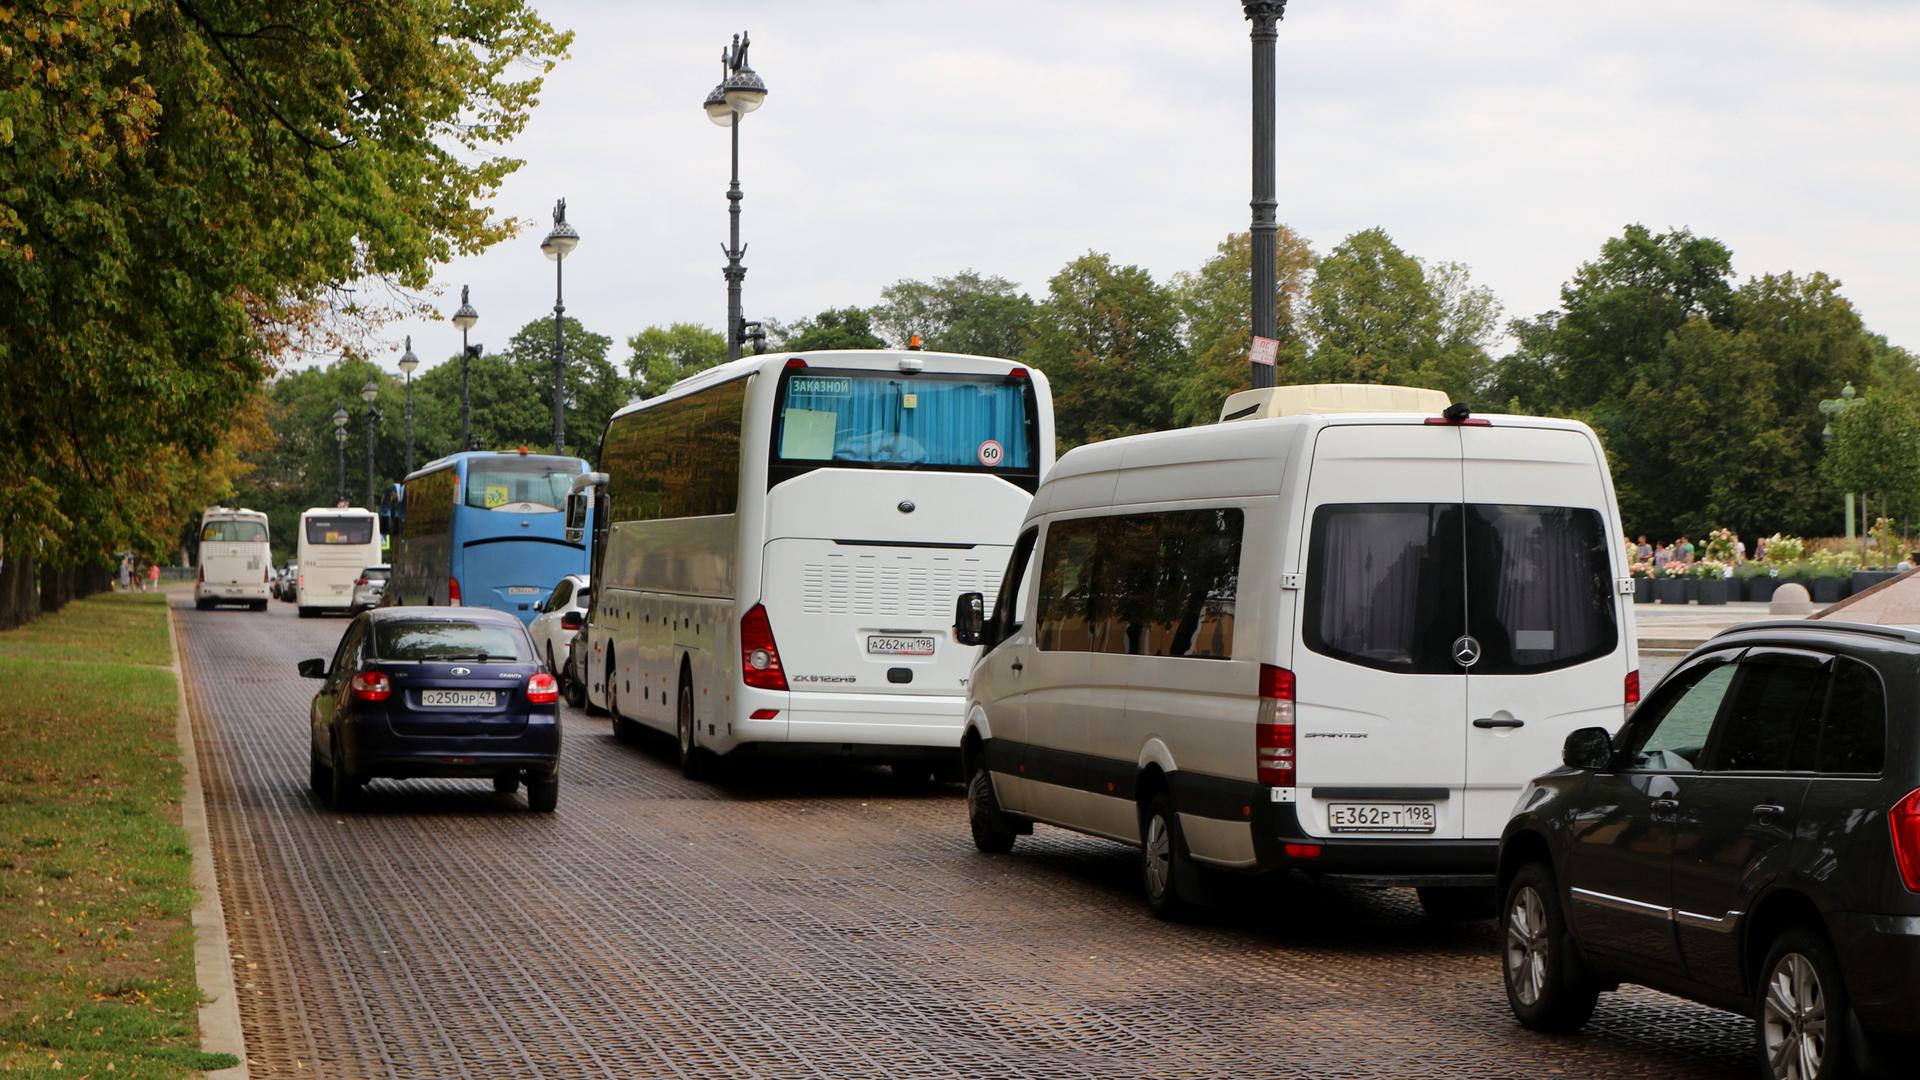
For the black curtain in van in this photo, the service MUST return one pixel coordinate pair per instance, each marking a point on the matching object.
(1539, 587)
(1384, 586)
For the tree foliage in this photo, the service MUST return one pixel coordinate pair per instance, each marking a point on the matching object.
(834, 328)
(1216, 303)
(1108, 336)
(660, 356)
(967, 312)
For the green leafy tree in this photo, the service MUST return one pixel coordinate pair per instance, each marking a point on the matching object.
(1376, 315)
(834, 328)
(1108, 338)
(660, 356)
(1875, 452)
(595, 387)
(1216, 303)
(966, 313)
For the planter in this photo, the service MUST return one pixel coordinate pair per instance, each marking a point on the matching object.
(1693, 590)
(1759, 590)
(1643, 590)
(1670, 590)
(1712, 590)
(1866, 579)
(1828, 590)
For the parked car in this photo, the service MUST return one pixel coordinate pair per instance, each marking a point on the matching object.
(1246, 646)
(371, 586)
(559, 618)
(420, 691)
(1750, 840)
(575, 678)
(283, 584)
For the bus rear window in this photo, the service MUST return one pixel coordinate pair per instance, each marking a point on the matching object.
(521, 484)
(877, 419)
(347, 530)
(234, 532)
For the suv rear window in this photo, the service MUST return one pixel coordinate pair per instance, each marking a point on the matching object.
(1854, 738)
(447, 639)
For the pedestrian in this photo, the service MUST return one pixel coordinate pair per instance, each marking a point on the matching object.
(1685, 553)
(1739, 551)
(1642, 551)
(1760, 550)
(126, 573)
(153, 575)
(1661, 556)
(1912, 560)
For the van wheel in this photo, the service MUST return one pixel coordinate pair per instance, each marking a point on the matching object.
(508, 783)
(1165, 868)
(1543, 989)
(543, 795)
(993, 834)
(1802, 1008)
(1453, 903)
(693, 760)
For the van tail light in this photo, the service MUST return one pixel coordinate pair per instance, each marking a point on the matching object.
(1633, 688)
(1904, 820)
(453, 592)
(759, 656)
(543, 689)
(371, 686)
(1273, 732)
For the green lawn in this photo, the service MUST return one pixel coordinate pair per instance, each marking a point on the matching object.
(95, 888)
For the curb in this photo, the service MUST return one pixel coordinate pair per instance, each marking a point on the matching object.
(220, 1031)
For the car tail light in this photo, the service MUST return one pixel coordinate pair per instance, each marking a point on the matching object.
(360, 581)
(759, 656)
(1273, 732)
(572, 620)
(453, 592)
(371, 686)
(543, 689)
(1904, 820)
(764, 714)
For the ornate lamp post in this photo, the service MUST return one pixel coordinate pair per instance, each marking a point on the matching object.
(367, 394)
(1834, 409)
(1265, 16)
(559, 243)
(740, 92)
(340, 443)
(464, 319)
(408, 362)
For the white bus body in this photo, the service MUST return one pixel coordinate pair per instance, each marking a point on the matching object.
(236, 559)
(335, 545)
(841, 501)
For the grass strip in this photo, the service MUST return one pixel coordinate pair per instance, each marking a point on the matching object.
(95, 876)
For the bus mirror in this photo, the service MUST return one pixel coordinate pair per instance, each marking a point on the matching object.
(576, 517)
(970, 619)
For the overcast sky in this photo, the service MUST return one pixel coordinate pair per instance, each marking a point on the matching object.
(908, 139)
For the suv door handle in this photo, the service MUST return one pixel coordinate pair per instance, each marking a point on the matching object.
(1665, 809)
(1768, 811)
(1490, 722)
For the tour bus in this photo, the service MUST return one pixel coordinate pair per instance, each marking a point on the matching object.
(780, 542)
(390, 508)
(1336, 635)
(485, 529)
(236, 561)
(335, 544)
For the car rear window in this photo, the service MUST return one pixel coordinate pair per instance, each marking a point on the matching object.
(375, 573)
(449, 639)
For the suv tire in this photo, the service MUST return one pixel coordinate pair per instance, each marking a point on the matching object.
(1801, 1010)
(1546, 989)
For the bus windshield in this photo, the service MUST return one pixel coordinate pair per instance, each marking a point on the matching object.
(235, 531)
(880, 419)
(520, 483)
(340, 530)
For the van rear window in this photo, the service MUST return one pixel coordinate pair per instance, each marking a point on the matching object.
(1539, 587)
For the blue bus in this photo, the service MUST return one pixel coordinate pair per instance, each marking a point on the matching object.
(485, 529)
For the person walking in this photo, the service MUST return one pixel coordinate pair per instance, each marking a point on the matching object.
(126, 573)
(153, 575)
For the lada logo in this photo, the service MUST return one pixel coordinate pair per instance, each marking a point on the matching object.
(462, 671)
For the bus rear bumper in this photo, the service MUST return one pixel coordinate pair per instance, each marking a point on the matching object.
(874, 722)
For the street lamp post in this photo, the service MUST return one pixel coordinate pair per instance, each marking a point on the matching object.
(367, 394)
(408, 362)
(740, 92)
(1265, 16)
(559, 243)
(340, 443)
(464, 318)
(1834, 409)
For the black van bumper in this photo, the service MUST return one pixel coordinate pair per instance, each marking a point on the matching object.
(1279, 843)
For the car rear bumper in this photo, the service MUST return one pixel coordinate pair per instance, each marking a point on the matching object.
(1880, 960)
(373, 749)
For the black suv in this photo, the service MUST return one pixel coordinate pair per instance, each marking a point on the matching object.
(1750, 840)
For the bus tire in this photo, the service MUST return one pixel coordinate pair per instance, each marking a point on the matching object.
(693, 760)
(625, 731)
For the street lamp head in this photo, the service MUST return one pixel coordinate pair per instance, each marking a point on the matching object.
(466, 316)
(340, 435)
(741, 89)
(716, 105)
(561, 241)
(408, 361)
(340, 418)
(369, 391)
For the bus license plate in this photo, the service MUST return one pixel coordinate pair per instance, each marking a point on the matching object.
(523, 590)
(899, 646)
(458, 699)
(1381, 817)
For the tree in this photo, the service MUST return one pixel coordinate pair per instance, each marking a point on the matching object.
(965, 313)
(595, 387)
(1217, 305)
(1876, 452)
(1376, 315)
(1108, 337)
(663, 355)
(834, 328)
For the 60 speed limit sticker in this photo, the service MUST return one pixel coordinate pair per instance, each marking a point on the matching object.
(991, 453)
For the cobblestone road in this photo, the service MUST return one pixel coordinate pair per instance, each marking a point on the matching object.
(799, 923)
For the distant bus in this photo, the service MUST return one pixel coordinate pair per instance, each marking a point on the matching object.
(390, 511)
(782, 540)
(335, 544)
(236, 559)
(485, 529)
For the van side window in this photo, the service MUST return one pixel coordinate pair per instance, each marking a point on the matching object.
(1068, 605)
(1384, 585)
(1854, 738)
(1158, 584)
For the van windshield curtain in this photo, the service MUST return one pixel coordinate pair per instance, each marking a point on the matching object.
(881, 420)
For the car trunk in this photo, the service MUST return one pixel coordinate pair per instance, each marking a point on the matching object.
(437, 698)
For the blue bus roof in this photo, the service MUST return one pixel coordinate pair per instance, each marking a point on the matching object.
(466, 455)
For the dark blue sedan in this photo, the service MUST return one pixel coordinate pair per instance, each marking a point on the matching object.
(426, 691)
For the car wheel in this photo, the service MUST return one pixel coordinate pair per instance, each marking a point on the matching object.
(543, 795)
(1543, 989)
(1456, 904)
(343, 786)
(1802, 1008)
(574, 689)
(1165, 868)
(993, 834)
(624, 730)
(508, 783)
(693, 760)
(319, 777)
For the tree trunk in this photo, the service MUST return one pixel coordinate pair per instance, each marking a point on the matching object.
(18, 602)
(56, 588)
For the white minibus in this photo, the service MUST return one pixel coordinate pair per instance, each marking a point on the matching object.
(780, 539)
(1317, 639)
(335, 545)
(236, 559)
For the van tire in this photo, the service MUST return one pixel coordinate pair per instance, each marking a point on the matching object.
(1566, 994)
(1453, 903)
(1166, 870)
(993, 834)
(693, 760)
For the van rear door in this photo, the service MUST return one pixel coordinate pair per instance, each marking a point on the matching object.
(1542, 603)
(1380, 701)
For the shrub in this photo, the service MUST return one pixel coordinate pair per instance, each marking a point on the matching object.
(1785, 549)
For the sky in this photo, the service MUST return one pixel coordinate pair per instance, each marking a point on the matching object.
(910, 139)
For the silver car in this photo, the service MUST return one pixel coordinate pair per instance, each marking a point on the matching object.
(370, 586)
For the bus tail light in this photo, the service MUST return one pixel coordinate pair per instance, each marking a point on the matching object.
(1904, 821)
(453, 592)
(371, 686)
(542, 689)
(1273, 732)
(200, 575)
(759, 656)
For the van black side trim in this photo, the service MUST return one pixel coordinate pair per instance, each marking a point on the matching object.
(905, 544)
(1193, 793)
(1421, 794)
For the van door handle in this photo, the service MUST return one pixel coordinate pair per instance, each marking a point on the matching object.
(1018, 667)
(1490, 722)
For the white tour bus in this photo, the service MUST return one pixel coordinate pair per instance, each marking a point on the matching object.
(781, 539)
(1337, 637)
(236, 560)
(335, 545)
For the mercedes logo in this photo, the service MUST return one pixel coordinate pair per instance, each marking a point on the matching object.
(1466, 651)
(462, 671)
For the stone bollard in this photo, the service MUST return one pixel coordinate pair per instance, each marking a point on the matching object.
(1792, 599)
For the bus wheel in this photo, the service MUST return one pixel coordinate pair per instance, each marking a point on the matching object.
(624, 730)
(693, 760)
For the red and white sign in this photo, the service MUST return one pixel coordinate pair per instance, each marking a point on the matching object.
(990, 453)
(1265, 350)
